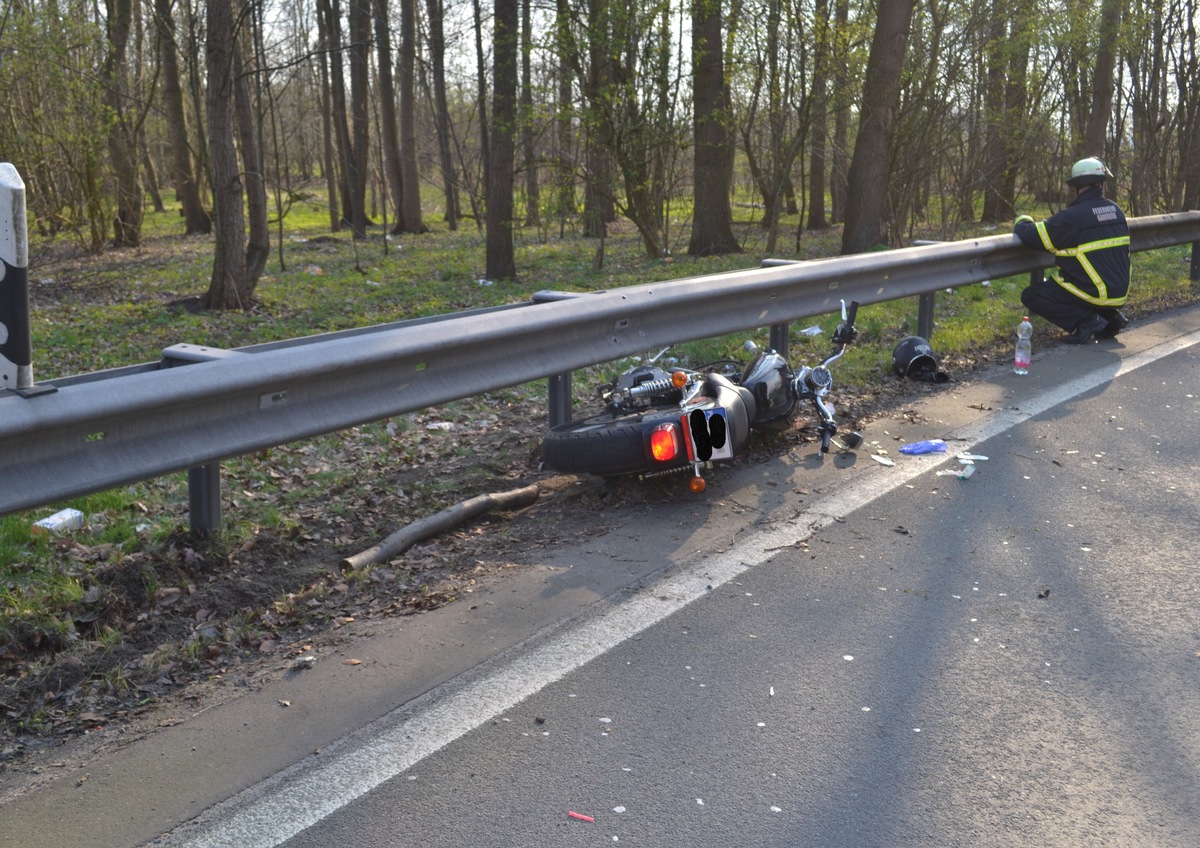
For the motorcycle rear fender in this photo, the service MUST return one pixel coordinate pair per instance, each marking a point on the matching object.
(739, 407)
(718, 391)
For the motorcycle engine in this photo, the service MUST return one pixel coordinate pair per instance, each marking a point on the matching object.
(616, 394)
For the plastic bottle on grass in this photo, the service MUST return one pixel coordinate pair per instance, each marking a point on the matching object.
(1024, 347)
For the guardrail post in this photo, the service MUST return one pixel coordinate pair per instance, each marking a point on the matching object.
(559, 399)
(16, 349)
(204, 499)
(779, 339)
(925, 315)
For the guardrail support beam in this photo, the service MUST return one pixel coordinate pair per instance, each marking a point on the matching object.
(779, 338)
(204, 499)
(925, 315)
(559, 399)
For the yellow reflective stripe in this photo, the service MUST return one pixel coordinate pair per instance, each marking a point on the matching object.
(1045, 237)
(1103, 244)
(1097, 280)
(1102, 300)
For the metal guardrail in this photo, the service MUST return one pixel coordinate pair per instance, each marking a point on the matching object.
(111, 428)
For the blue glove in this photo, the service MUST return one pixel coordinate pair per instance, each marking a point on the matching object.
(930, 446)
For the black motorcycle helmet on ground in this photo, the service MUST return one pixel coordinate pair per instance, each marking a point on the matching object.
(913, 357)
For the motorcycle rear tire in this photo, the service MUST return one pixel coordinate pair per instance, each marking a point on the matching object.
(606, 445)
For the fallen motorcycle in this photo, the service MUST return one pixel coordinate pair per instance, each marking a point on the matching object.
(657, 422)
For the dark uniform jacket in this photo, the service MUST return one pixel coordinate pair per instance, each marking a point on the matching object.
(1090, 242)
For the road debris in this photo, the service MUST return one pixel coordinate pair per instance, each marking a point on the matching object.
(922, 447)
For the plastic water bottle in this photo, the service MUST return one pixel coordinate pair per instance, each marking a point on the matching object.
(1024, 347)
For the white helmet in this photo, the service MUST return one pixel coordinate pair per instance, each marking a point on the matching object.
(1088, 171)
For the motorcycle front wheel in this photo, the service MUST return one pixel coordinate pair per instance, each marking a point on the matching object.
(606, 445)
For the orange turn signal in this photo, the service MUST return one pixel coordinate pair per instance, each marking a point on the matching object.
(664, 442)
(679, 379)
(697, 484)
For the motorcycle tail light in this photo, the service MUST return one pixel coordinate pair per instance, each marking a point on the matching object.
(665, 443)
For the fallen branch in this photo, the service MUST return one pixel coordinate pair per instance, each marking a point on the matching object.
(460, 513)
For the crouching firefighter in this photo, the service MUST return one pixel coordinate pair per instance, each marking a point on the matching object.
(1090, 243)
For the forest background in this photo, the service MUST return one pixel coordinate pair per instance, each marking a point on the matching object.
(884, 118)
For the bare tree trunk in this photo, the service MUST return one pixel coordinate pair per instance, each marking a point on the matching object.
(712, 220)
(183, 174)
(1016, 101)
(995, 117)
(122, 144)
(820, 114)
(528, 152)
(599, 208)
(1004, 99)
(564, 128)
(840, 167)
(236, 263)
(196, 63)
(1191, 153)
(151, 173)
(1102, 81)
(258, 248)
(411, 206)
(1189, 89)
(360, 83)
(441, 110)
(389, 134)
(330, 11)
(330, 163)
(481, 81)
(870, 169)
(228, 283)
(501, 262)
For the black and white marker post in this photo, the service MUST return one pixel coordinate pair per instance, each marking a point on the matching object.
(16, 350)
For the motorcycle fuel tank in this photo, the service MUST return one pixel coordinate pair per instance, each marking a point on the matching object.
(769, 378)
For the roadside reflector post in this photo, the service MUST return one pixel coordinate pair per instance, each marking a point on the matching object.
(16, 349)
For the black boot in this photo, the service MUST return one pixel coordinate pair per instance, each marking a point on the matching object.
(1087, 330)
(1117, 322)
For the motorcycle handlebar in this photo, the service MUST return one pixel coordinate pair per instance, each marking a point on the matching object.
(845, 332)
(851, 313)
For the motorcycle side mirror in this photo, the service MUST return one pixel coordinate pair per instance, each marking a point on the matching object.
(853, 440)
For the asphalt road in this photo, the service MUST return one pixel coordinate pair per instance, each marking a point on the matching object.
(812, 654)
(1006, 659)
